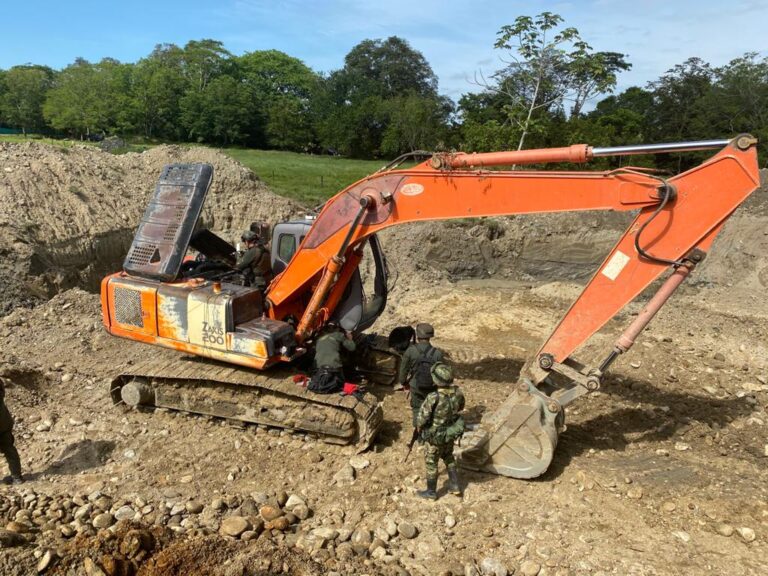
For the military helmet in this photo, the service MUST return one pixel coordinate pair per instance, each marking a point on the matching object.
(424, 330)
(249, 236)
(442, 374)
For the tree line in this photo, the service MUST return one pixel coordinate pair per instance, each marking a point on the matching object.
(385, 101)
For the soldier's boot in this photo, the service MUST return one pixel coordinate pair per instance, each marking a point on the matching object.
(454, 486)
(431, 492)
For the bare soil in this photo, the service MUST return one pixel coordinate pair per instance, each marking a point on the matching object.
(664, 471)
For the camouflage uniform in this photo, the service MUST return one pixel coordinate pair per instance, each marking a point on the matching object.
(328, 349)
(255, 266)
(7, 446)
(439, 410)
(447, 403)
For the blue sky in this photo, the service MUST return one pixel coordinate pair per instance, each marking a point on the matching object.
(456, 37)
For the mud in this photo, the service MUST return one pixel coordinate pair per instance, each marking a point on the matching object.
(664, 471)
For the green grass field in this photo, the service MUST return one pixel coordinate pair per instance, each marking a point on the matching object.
(307, 179)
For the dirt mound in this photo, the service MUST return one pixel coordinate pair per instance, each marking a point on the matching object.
(67, 215)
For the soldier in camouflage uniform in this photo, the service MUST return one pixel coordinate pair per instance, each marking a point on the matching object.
(7, 446)
(255, 263)
(415, 367)
(440, 409)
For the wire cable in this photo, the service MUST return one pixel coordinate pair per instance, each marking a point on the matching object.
(668, 190)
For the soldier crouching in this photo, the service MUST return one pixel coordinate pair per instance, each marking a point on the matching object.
(440, 424)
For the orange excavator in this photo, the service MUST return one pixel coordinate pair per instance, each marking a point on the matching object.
(252, 340)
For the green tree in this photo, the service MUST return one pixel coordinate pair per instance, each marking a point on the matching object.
(351, 108)
(89, 98)
(388, 68)
(415, 123)
(679, 110)
(157, 85)
(282, 89)
(738, 101)
(220, 113)
(203, 61)
(548, 65)
(25, 89)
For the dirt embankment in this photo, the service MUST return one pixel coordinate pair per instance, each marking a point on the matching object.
(557, 247)
(67, 215)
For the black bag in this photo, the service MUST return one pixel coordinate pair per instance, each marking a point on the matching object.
(326, 382)
(422, 375)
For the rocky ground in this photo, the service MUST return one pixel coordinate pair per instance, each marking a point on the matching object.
(662, 472)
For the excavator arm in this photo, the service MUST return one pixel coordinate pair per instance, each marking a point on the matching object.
(677, 221)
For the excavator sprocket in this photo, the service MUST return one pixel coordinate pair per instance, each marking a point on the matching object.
(518, 439)
(268, 398)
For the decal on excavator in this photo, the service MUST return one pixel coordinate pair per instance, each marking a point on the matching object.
(615, 265)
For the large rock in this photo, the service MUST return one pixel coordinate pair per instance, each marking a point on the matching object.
(234, 526)
(270, 513)
(345, 475)
(407, 530)
(103, 520)
(493, 567)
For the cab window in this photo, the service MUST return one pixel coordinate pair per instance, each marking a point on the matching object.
(286, 246)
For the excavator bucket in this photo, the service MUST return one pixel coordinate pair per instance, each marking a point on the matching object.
(518, 439)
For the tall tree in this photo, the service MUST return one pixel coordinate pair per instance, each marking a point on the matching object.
(738, 101)
(157, 85)
(88, 98)
(282, 88)
(415, 123)
(25, 89)
(204, 60)
(220, 113)
(547, 65)
(679, 112)
(352, 114)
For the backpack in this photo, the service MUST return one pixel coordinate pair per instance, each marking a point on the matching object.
(422, 377)
(326, 382)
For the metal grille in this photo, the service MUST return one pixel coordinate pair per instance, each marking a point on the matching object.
(142, 254)
(170, 232)
(128, 307)
(180, 175)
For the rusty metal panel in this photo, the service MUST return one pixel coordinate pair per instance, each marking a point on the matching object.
(167, 225)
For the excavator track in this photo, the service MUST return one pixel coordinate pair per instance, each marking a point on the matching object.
(270, 399)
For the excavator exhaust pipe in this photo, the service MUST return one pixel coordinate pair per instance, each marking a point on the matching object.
(518, 439)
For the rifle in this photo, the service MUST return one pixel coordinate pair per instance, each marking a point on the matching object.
(414, 437)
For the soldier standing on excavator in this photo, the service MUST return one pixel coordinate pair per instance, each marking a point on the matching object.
(255, 261)
(416, 364)
(7, 446)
